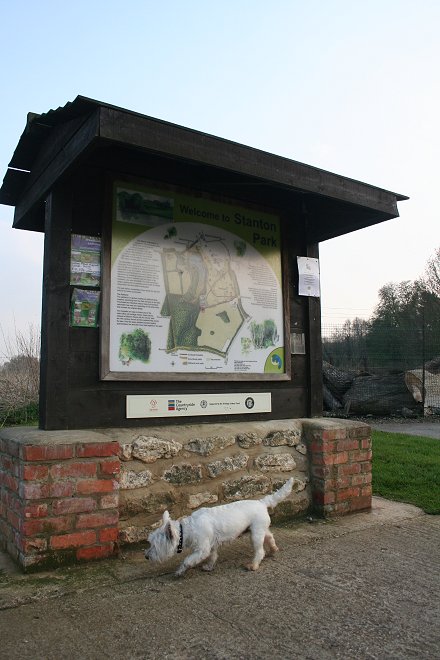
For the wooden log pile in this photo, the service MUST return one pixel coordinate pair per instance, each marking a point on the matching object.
(365, 394)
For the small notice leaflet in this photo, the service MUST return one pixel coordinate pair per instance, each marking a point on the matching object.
(85, 260)
(84, 310)
(196, 287)
(308, 269)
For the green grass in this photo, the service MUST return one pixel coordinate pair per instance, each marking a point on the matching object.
(406, 468)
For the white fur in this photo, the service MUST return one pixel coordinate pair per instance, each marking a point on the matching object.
(206, 529)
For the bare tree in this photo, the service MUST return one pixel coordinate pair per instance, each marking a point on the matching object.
(19, 375)
(431, 277)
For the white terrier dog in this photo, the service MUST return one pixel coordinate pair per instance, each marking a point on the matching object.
(206, 529)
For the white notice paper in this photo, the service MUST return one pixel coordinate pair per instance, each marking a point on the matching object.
(308, 269)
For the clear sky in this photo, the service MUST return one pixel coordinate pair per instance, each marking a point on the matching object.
(350, 87)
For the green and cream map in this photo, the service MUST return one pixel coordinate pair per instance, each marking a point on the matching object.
(195, 286)
(202, 296)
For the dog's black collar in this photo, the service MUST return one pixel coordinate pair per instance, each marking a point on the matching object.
(180, 546)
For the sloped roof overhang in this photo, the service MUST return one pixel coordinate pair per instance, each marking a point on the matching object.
(55, 142)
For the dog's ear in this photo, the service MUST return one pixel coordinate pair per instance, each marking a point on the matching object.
(169, 532)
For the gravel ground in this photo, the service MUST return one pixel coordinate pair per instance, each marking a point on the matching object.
(364, 586)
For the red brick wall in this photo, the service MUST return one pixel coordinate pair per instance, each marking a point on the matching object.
(58, 502)
(340, 456)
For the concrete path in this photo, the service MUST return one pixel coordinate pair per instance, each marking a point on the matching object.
(427, 429)
(364, 586)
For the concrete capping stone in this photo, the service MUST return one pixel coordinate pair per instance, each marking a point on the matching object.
(29, 435)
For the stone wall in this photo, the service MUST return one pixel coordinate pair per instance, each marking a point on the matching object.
(183, 468)
(67, 496)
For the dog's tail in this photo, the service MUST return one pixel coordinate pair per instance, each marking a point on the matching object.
(275, 498)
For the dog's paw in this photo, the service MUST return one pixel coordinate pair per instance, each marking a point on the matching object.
(251, 567)
(207, 567)
(272, 551)
(179, 573)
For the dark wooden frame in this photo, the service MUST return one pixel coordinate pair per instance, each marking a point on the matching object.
(57, 180)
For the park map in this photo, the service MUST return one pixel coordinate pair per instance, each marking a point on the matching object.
(202, 296)
(196, 286)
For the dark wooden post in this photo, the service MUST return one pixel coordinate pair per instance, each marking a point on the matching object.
(314, 349)
(55, 310)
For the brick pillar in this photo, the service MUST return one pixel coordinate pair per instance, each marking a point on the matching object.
(340, 464)
(58, 496)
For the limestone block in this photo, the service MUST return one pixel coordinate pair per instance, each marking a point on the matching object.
(194, 501)
(278, 462)
(298, 484)
(130, 479)
(301, 448)
(246, 440)
(295, 505)
(246, 487)
(227, 464)
(183, 474)
(289, 437)
(207, 446)
(133, 534)
(149, 449)
(132, 502)
(126, 451)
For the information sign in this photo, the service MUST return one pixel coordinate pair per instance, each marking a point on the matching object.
(196, 288)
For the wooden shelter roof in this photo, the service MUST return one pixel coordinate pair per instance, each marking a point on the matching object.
(59, 141)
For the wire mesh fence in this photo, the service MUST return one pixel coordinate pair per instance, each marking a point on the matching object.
(381, 369)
